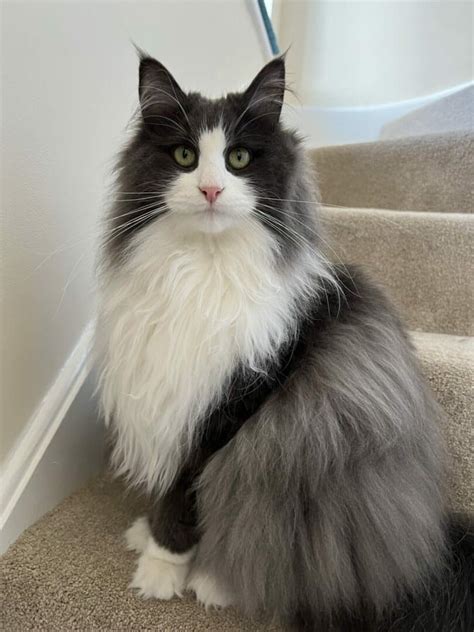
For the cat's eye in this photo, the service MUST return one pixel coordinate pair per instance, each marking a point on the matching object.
(184, 156)
(238, 158)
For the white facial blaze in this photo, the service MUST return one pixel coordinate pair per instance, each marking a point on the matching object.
(211, 170)
(234, 204)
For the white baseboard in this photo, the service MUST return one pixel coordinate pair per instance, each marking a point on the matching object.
(323, 126)
(59, 450)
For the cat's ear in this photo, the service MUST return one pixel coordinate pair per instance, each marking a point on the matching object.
(159, 92)
(264, 97)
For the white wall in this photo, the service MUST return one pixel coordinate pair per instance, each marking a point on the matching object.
(69, 88)
(359, 53)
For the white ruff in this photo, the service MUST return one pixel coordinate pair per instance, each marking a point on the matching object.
(192, 301)
(176, 319)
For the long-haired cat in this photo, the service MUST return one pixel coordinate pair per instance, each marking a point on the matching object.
(267, 400)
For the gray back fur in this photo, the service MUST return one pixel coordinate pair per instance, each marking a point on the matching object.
(331, 495)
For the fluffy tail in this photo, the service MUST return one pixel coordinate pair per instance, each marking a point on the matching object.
(447, 605)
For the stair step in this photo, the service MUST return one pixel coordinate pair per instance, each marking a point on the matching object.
(425, 260)
(71, 571)
(417, 173)
(448, 365)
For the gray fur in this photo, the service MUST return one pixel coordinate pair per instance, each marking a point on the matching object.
(326, 505)
(330, 495)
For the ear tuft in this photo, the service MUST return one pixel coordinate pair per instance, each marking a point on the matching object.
(266, 93)
(159, 92)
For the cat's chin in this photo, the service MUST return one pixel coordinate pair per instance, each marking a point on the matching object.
(212, 223)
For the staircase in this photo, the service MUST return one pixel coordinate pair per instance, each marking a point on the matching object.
(411, 223)
(402, 208)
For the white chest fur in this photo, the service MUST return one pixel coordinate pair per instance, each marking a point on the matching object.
(174, 322)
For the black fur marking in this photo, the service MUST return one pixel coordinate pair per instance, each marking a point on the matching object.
(173, 517)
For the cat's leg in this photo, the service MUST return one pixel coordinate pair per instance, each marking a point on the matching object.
(166, 543)
(159, 573)
(136, 536)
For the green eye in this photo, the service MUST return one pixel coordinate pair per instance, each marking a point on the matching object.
(239, 158)
(184, 156)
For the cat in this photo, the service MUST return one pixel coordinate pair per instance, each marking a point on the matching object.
(268, 401)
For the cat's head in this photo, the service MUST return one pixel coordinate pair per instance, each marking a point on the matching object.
(211, 164)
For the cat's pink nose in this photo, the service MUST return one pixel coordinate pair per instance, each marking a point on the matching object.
(211, 193)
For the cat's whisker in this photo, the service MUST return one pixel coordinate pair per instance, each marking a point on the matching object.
(72, 275)
(175, 124)
(312, 202)
(140, 209)
(143, 188)
(285, 229)
(111, 234)
(294, 217)
(130, 222)
(285, 226)
(173, 98)
(131, 200)
(110, 230)
(288, 233)
(95, 233)
(164, 125)
(255, 118)
(254, 102)
(123, 227)
(140, 192)
(322, 205)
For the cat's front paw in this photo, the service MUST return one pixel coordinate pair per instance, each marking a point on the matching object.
(207, 591)
(138, 534)
(159, 579)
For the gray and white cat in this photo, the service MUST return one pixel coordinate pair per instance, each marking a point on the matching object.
(267, 400)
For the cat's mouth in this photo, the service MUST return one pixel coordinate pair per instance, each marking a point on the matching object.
(213, 219)
(211, 211)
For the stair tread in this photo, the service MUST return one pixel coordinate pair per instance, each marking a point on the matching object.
(71, 571)
(423, 259)
(431, 172)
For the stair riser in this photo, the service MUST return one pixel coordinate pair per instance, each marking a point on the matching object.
(423, 259)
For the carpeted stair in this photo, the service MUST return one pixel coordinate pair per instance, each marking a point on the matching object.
(425, 258)
(404, 210)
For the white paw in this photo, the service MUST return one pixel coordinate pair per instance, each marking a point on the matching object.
(159, 579)
(207, 591)
(137, 535)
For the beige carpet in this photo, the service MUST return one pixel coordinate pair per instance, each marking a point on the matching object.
(70, 571)
(448, 364)
(425, 260)
(426, 173)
